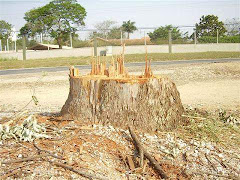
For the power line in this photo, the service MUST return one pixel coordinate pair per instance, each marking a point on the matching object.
(28, 1)
(139, 28)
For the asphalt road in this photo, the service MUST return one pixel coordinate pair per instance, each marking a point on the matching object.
(57, 69)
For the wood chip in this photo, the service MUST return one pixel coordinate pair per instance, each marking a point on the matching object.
(130, 163)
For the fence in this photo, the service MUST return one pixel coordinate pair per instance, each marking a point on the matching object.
(171, 41)
(116, 50)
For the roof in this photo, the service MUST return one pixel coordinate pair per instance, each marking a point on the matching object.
(40, 46)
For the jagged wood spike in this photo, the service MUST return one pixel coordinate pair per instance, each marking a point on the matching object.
(146, 61)
(72, 71)
(151, 103)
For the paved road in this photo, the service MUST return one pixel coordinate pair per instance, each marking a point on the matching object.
(57, 69)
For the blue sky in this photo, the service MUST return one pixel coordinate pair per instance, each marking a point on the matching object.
(151, 13)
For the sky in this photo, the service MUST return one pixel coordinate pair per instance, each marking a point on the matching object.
(151, 13)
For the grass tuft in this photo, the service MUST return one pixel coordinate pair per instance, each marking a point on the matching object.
(211, 128)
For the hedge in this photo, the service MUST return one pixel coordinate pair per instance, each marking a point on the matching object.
(224, 39)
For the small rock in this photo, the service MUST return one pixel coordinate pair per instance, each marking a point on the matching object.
(203, 144)
(195, 154)
(209, 146)
(219, 169)
(189, 154)
(20, 156)
(220, 155)
(205, 150)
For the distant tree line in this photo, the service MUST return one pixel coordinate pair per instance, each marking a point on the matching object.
(206, 31)
(60, 18)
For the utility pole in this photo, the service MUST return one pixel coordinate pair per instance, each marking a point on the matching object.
(195, 37)
(24, 47)
(7, 45)
(121, 37)
(217, 36)
(170, 41)
(95, 43)
(71, 42)
(0, 45)
(15, 44)
(145, 40)
(41, 38)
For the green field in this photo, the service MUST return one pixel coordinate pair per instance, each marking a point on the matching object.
(69, 61)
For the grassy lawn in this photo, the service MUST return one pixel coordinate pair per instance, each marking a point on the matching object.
(69, 61)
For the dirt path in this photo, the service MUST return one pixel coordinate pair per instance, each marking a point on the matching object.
(222, 94)
(208, 86)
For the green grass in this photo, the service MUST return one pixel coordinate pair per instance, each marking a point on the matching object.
(213, 130)
(208, 127)
(69, 61)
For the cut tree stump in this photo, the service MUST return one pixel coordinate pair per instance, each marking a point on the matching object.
(111, 96)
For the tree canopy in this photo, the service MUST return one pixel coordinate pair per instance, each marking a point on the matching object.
(115, 33)
(5, 29)
(209, 25)
(58, 18)
(162, 33)
(104, 27)
(232, 26)
(129, 27)
(108, 30)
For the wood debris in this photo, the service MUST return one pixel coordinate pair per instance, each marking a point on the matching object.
(147, 155)
(116, 68)
(130, 163)
(102, 154)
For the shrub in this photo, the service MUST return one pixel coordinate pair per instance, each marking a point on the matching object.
(79, 43)
(162, 33)
(224, 39)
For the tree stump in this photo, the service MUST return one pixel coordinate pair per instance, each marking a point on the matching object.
(111, 96)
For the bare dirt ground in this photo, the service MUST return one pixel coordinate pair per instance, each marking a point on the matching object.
(207, 86)
(206, 148)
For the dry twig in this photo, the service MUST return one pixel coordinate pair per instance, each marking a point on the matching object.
(194, 117)
(59, 120)
(147, 155)
(48, 152)
(210, 162)
(217, 175)
(25, 159)
(84, 174)
(13, 171)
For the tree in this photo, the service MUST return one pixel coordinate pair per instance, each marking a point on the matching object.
(115, 33)
(232, 26)
(129, 27)
(104, 27)
(5, 29)
(107, 30)
(26, 30)
(209, 25)
(163, 31)
(58, 18)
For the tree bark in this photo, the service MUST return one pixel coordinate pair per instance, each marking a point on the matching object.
(149, 104)
(59, 41)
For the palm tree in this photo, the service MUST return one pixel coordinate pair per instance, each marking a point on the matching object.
(129, 27)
